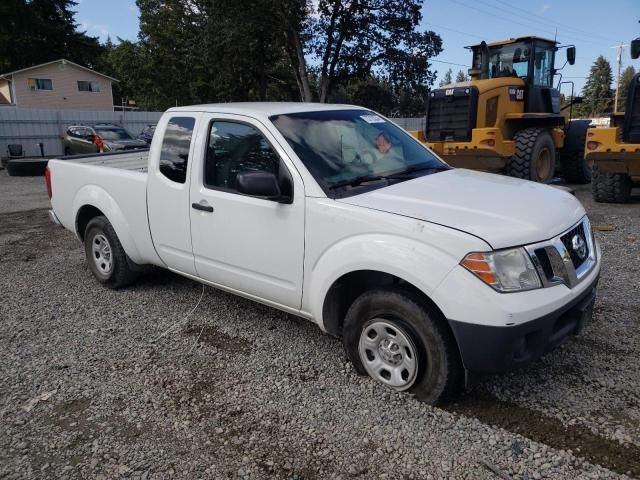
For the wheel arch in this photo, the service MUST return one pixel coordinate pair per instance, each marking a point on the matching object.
(345, 289)
(92, 201)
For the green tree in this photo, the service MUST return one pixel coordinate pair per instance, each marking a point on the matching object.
(38, 31)
(625, 81)
(597, 94)
(447, 79)
(357, 38)
(461, 77)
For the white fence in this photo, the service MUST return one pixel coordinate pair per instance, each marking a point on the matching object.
(30, 127)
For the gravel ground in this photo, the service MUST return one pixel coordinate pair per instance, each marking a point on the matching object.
(95, 384)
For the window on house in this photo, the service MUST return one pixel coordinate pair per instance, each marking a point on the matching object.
(88, 86)
(40, 84)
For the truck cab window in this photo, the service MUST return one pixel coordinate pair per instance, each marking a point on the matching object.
(174, 155)
(233, 148)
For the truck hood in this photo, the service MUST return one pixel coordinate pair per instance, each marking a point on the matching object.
(503, 211)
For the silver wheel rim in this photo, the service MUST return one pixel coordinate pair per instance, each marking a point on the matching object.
(388, 354)
(101, 254)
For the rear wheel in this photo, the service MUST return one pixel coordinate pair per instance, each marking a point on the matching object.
(535, 157)
(106, 258)
(610, 187)
(402, 343)
(574, 166)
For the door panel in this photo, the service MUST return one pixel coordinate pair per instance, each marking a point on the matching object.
(249, 244)
(168, 202)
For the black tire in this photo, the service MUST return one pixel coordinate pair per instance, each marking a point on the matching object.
(609, 187)
(121, 272)
(67, 151)
(534, 148)
(439, 369)
(574, 166)
(27, 167)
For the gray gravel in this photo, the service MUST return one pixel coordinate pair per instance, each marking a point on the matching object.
(239, 390)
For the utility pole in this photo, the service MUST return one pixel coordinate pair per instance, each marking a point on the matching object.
(619, 47)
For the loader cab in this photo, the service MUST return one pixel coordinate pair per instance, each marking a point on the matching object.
(531, 59)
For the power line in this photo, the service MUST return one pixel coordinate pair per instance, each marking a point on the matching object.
(511, 20)
(548, 20)
(454, 30)
(448, 63)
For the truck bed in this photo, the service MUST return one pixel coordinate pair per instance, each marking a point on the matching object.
(114, 183)
(135, 160)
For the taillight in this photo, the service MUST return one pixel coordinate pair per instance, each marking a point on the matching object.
(47, 182)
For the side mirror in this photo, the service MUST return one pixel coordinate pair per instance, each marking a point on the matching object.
(571, 55)
(264, 185)
(635, 48)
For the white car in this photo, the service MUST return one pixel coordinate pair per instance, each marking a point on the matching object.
(335, 214)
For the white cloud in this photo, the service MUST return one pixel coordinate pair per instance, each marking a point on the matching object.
(101, 29)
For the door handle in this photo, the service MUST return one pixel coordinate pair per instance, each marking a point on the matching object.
(204, 208)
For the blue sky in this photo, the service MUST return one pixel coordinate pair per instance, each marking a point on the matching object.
(593, 26)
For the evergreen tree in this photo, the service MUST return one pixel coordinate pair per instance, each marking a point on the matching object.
(625, 81)
(38, 31)
(447, 79)
(597, 94)
(461, 77)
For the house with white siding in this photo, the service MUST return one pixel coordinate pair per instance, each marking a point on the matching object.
(57, 85)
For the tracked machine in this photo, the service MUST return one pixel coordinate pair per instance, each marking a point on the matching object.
(507, 118)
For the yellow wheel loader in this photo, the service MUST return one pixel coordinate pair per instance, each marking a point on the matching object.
(614, 152)
(507, 118)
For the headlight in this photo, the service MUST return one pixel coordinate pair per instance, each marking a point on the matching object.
(504, 270)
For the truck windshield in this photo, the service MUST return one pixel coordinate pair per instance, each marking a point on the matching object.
(113, 134)
(346, 150)
(509, 60)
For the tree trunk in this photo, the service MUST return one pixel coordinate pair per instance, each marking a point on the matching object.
(299, 64)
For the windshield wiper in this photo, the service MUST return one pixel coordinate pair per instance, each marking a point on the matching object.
(416, 168)
(354, 182)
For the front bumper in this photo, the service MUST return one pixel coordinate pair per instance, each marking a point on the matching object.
(487, 349)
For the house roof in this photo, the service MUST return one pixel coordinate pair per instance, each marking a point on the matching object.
(60, 60)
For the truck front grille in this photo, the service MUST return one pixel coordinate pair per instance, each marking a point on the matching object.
(451, 114)
(567, 258)
(567, 241)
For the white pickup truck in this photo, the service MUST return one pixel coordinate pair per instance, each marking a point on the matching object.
(335, 214)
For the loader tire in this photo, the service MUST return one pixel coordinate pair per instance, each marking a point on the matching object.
(574, 166)
(535, 156)
(610, 187)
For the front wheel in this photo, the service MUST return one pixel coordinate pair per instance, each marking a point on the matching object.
(535, 156)
(401, 342)
(106, 258)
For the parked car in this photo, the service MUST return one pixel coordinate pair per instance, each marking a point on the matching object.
(335, 214)
(146, 135)
(100, 137)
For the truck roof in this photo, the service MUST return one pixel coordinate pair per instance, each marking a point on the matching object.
(264, 108)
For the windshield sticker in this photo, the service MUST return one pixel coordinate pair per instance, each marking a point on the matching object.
(372, 119)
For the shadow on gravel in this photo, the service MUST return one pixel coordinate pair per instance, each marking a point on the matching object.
(210, 335)
(550, 431)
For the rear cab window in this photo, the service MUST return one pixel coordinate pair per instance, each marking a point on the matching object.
(174, 155)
